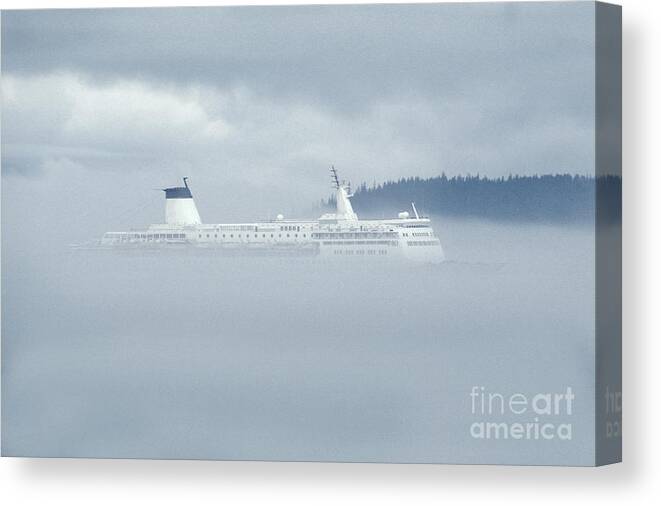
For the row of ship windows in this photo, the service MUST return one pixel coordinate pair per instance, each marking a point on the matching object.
(360, 252)
(374, 243)
(148, 237)
(354, 235)
(416, 234)
(317, 235)
(253, 228)
(247, 236)
(422, 243)
(235, 228)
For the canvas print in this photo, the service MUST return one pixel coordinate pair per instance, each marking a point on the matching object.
(350, 233)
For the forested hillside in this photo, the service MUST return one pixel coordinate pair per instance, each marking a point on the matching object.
(553, 198)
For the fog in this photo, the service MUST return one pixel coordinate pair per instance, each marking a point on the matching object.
(202, 356)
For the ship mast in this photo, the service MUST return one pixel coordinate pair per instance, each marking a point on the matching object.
(334, 179)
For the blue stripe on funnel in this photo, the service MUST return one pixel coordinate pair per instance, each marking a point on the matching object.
(178, 193)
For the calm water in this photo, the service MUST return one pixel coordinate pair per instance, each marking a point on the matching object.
(294, 359)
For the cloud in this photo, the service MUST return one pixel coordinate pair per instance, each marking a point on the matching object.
(65, 115)
(346, 57)
(127, 124)
(227, 138)
(258, 102)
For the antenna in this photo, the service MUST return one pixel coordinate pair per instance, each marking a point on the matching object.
(334, 178)
(186, 181)
(415, 211)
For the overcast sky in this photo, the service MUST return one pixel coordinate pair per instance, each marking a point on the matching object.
(255, 103)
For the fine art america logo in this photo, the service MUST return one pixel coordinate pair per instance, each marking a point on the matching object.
(613, 413)
(520, 416)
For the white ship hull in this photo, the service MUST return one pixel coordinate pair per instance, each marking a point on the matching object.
(409, 239)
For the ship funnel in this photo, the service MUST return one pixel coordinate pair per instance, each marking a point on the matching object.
(180, 207)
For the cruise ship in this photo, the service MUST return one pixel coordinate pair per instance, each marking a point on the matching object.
(340, 234)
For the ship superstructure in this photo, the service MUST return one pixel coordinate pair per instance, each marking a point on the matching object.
(340, 234)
